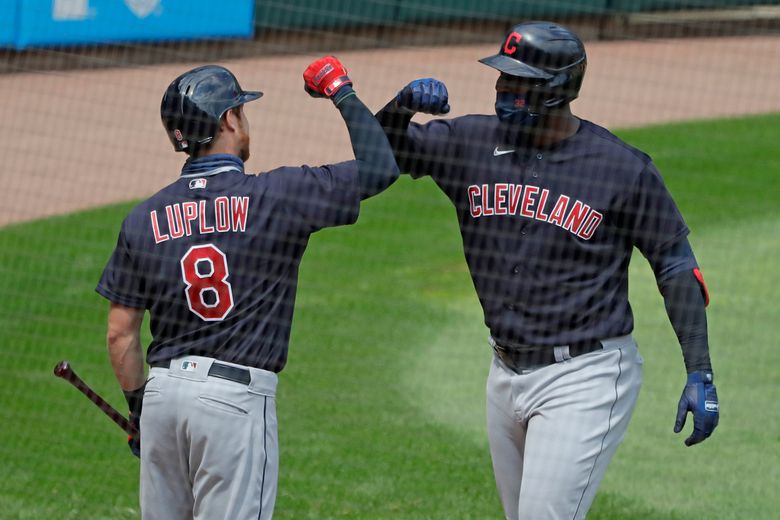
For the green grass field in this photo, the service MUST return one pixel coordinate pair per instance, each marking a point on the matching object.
(381, 404)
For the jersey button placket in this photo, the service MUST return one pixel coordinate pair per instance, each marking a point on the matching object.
(533, 168)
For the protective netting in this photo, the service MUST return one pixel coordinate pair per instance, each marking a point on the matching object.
(382, 403)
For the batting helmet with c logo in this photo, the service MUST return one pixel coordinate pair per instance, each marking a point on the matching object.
(545, 51)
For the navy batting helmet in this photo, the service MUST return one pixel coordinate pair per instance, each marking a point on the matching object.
(544, 51)
(195, 102)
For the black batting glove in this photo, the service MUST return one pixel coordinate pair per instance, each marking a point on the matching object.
(700, 398)
(134, 441)
(135, 401)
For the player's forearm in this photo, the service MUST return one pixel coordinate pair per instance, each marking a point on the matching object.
(685, 307)
(124, 346)
(395, 123)
(685, 298)
(377, 168)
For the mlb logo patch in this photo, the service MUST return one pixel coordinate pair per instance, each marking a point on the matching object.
(189, 366)
(196, 184)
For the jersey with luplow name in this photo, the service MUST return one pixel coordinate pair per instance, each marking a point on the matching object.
(214, 256)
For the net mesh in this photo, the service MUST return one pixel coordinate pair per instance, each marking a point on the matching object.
(382, 402)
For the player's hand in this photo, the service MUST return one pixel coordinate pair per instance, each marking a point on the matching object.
(134, 441)
(700, 398)
(135, 401)
(326, 77)
(426, 95)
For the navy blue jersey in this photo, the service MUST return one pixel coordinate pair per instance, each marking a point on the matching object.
(548, 233)
(214, 256)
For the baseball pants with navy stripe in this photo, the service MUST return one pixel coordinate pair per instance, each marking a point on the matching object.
(553, 430)
(209, 446)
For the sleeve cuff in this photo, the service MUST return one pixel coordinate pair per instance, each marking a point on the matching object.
(114, 297)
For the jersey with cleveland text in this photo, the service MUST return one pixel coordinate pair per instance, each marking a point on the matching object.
(548, 233)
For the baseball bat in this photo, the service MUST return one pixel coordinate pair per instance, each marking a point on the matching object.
(64, 371)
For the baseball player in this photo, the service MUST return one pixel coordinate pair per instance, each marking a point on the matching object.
(214, 258)
(550, 207)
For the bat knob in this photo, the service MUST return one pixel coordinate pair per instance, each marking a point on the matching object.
(62, 368)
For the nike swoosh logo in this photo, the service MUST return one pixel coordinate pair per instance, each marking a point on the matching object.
(498, 152)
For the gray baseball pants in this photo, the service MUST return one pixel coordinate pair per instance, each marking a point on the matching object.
(553, 430)
(209, 445)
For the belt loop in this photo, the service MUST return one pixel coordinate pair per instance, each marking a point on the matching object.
(561, 353)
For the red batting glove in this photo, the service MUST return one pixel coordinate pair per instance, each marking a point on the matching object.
(324, 77)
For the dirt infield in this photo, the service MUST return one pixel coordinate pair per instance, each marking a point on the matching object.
(78, 139)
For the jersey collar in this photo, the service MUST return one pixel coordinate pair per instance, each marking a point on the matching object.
(212, 165)
(529, 151)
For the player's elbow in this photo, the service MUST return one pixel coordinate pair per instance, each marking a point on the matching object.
(121, 339)
(377, 176)
(393, 171)
(124, 326)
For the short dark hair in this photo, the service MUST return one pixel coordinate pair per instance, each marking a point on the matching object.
(198, 150)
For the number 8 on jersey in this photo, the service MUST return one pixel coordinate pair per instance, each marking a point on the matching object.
(209, 280)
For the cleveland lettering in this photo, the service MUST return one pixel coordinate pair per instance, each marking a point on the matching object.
(529, 201)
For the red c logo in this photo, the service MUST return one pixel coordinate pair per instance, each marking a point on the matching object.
(510, 46)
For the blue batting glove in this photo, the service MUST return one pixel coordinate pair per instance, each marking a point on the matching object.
(700, 398)
(426, 95)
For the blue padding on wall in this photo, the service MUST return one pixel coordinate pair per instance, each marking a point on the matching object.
(8, 13)
(68, 22)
